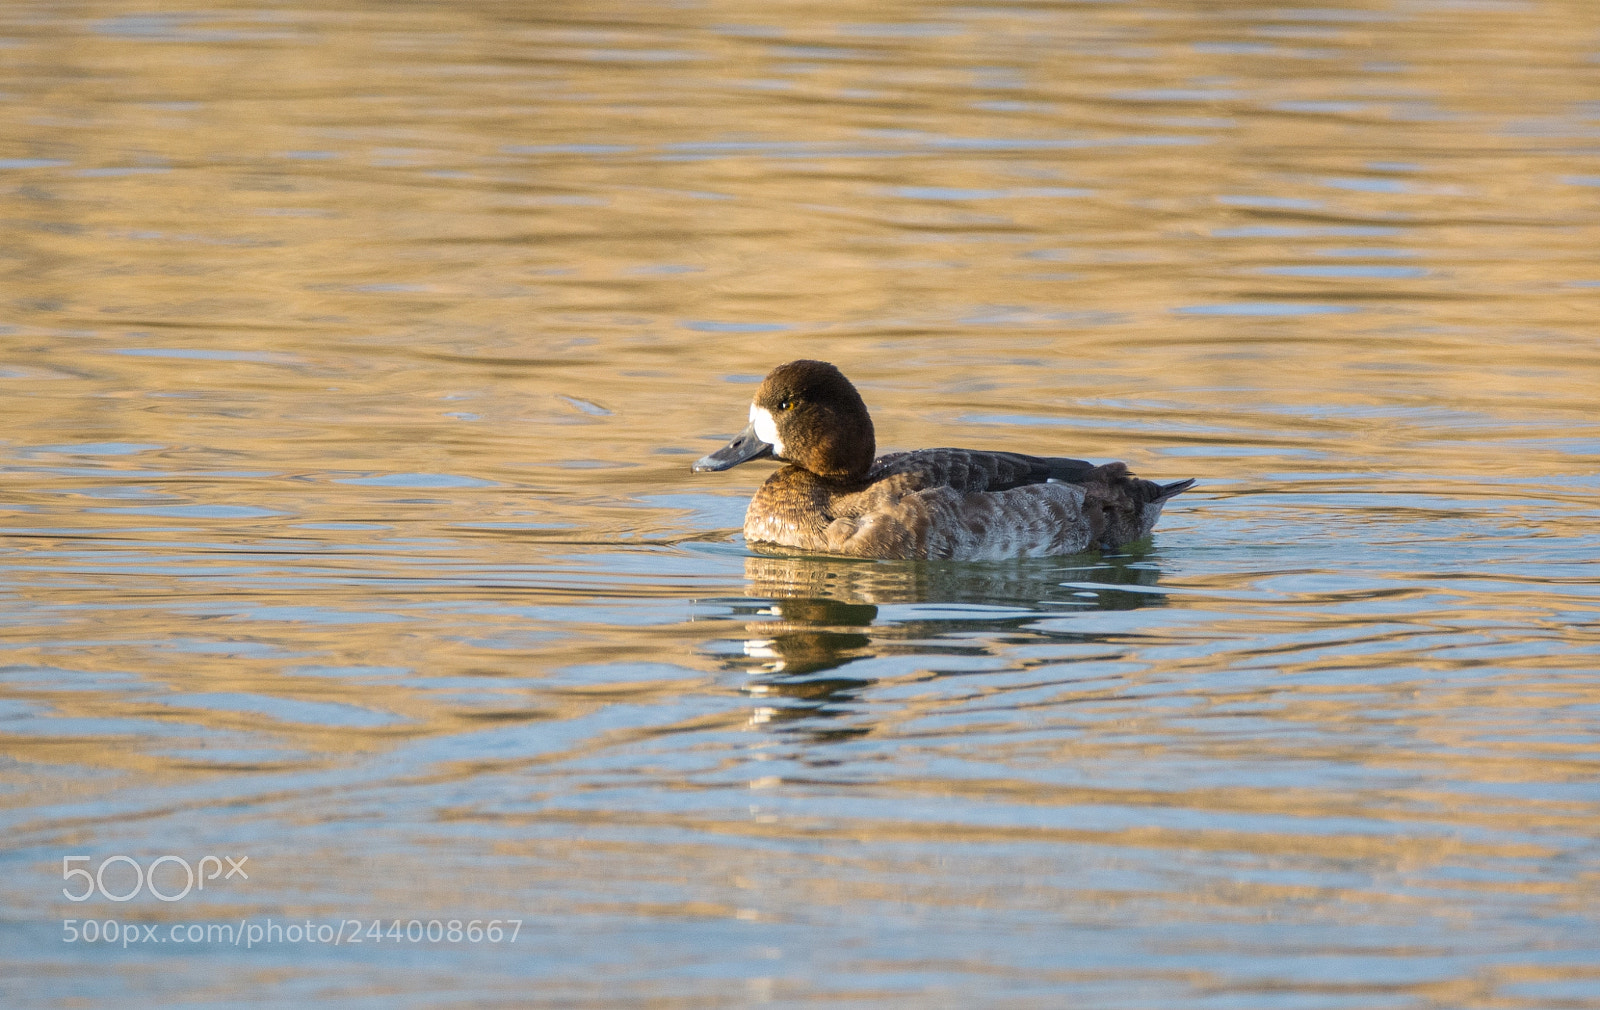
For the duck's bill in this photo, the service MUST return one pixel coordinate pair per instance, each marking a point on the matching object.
(745, 447)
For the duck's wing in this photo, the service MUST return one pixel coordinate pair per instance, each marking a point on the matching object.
(971, 505)
(970, 471)
(1118, 506)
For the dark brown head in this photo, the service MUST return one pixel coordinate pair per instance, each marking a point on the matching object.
(806, 413)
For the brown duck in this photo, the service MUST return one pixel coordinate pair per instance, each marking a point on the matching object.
(962, 504)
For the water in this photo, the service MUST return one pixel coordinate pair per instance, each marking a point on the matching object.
(355, 358)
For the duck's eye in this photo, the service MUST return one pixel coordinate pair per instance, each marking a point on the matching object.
(786, 405)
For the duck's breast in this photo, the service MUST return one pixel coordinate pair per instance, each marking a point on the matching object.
(792, 509)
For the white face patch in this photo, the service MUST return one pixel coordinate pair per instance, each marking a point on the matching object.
(766, 428)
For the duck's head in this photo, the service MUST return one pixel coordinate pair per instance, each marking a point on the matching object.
(806, 413)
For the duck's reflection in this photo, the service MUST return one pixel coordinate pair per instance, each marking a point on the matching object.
(808, 634)
(821, 614)
(1031, 582)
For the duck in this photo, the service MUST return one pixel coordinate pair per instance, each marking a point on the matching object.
(834, 495)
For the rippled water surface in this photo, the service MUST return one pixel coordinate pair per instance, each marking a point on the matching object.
(355, 355)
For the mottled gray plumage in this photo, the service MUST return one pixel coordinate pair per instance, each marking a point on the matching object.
(960, 504)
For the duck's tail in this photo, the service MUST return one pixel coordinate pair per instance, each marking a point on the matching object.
(1177, 487)
(1120, 507)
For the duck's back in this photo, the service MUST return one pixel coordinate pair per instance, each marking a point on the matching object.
(959, 504)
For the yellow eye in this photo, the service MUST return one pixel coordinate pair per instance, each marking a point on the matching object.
(786, 405)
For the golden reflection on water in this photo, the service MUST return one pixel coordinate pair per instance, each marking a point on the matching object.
(354, 358)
